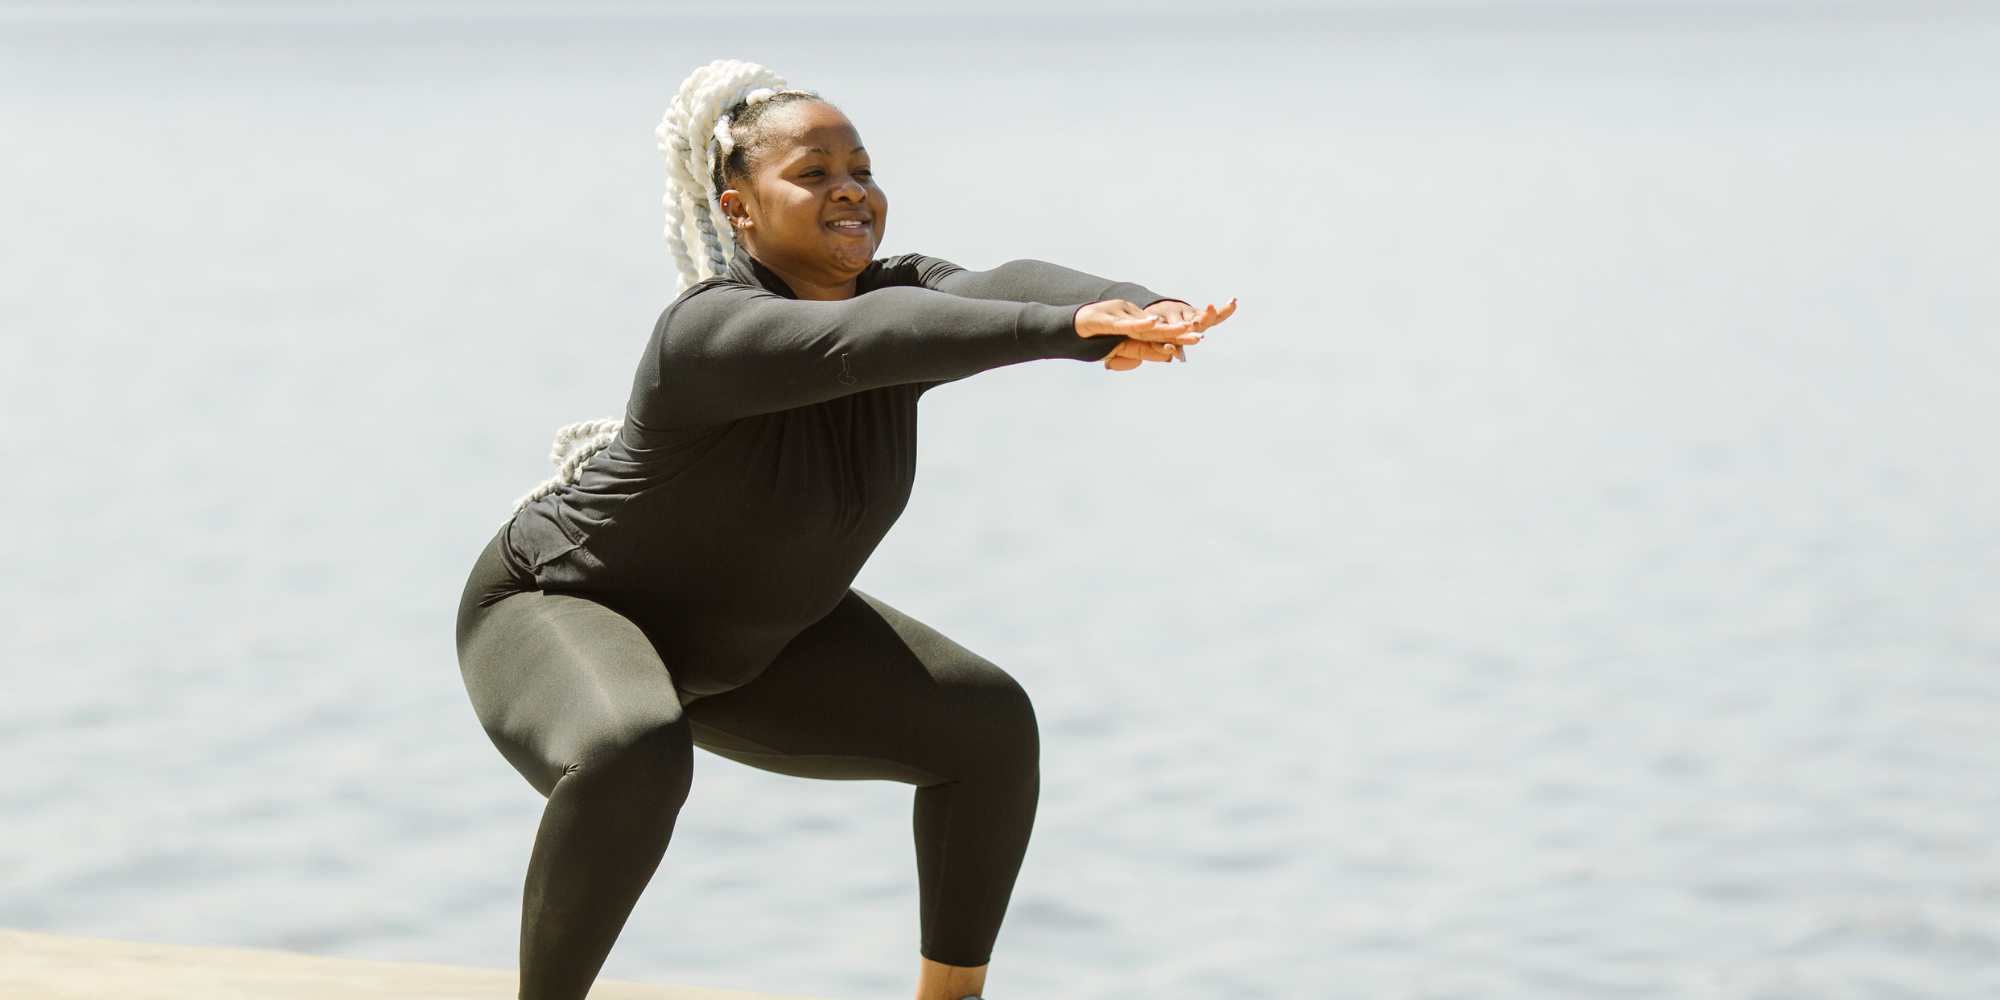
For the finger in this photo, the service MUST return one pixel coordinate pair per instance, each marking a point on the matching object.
(1102, 324)
(1099, 318)
(1130, 350)
(1139, 351)
(1163, 331)
(1150, 327)
(1206, 318)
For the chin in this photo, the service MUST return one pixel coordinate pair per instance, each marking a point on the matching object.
(852, 259)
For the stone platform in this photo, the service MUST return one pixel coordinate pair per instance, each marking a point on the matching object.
(51, 967)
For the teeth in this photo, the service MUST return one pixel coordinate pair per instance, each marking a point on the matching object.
(851, 224)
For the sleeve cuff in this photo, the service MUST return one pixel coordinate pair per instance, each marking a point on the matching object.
(1138, 295)
(1050, 332)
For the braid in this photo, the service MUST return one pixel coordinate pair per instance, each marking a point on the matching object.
(573, 446)
(691, 135)
(696, 138)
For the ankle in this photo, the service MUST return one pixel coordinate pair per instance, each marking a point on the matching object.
(938, 981)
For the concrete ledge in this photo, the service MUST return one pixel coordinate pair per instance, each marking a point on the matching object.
(51, 967)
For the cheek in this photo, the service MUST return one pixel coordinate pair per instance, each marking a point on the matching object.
(880, 202)
(796, 215)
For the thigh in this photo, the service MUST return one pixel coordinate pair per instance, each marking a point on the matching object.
(558, 680)
(868, 692)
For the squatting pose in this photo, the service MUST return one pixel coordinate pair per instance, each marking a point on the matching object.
(684, 579)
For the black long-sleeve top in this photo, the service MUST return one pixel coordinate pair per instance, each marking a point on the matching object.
(770, 442)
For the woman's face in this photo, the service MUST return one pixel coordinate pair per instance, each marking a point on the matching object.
(810, 209)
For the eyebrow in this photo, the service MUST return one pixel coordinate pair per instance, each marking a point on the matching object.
(816, 149)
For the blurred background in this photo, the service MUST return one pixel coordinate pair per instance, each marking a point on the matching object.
(1575, 573)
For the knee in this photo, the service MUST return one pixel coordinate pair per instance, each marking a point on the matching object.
(999, 721)
(647, 755)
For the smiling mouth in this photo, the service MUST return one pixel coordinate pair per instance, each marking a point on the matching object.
(852, 226)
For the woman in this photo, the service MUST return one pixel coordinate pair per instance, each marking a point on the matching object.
(684, 580)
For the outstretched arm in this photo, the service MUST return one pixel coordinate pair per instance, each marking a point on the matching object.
(731, 351)
(1116, 303)
(1026, 281)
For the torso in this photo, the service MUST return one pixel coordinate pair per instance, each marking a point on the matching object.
(723, 544)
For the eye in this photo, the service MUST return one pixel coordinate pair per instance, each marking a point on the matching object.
(812, 172)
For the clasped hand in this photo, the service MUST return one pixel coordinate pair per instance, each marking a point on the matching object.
(1159, 332)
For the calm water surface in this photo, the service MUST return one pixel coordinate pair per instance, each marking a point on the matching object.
(1575, 574)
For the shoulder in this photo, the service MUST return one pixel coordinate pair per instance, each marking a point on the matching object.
(905, 269)
(707, 303)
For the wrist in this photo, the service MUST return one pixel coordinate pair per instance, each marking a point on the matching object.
(1076, 321)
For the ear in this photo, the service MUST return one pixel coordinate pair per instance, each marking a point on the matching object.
(735, 209)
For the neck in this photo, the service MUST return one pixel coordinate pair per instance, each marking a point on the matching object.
(807, 287)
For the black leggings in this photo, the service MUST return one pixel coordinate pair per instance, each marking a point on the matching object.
(578, 700)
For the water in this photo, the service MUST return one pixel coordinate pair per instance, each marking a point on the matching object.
(1573, 574)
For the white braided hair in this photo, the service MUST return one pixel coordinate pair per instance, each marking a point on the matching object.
(694, 137)
(574, 446)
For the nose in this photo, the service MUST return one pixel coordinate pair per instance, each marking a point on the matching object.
(850, 190)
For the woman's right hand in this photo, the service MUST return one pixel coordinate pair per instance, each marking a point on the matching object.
(1149, 336)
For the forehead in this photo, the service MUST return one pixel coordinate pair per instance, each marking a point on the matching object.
(803, 129)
